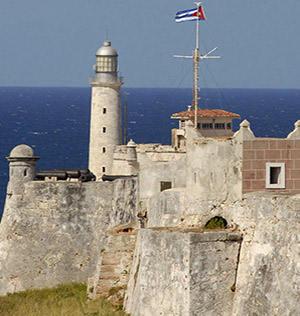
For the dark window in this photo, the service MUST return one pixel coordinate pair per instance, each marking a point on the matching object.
(207, 125)
(103, 169)
(104, 129)
(104, 110)
(275, 175)
(219, 125)
(165, 185)
(199, 125)
(25, 172)
(104, 150)
(228, 125)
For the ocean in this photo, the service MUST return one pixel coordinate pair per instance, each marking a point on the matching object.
(55, 121)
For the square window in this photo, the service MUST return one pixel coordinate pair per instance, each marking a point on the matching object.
(165, 185)
(275, 175)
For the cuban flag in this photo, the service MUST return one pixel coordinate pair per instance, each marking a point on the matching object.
(190, 15)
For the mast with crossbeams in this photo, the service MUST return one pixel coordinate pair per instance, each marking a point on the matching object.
(197, 57)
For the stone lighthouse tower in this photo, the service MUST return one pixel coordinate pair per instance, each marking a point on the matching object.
(106, 116)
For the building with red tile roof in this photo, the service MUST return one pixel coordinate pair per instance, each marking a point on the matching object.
(210, 123)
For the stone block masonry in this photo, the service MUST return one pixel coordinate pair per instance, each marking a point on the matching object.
(183, 273)
(53, 232)
(269, 273)
(115, 265)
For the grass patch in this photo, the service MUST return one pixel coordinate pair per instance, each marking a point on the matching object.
(64, 300)
(216, 222)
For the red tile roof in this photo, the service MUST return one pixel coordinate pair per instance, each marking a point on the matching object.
(204, 113)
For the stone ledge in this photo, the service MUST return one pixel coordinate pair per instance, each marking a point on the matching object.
(213, 236)
(202, 235)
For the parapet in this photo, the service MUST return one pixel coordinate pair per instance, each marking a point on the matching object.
(245, 132)
(295, 134)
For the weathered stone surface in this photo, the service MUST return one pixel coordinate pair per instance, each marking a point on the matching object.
(213, 267)
(268, 271)
(53, 232)
(183, 273)
(214, 169)
(165, 208)
(124, 203)
(114, 265)
(269, 275)
(160, 286)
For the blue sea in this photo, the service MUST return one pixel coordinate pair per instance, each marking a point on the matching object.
(55, 121)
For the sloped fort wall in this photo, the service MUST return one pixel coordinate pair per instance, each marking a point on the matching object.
(267, 272)
(53, 232)
(183, 273)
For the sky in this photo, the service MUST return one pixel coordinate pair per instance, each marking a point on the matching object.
(53, 43)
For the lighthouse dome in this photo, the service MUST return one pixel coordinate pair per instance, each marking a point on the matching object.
(106, 50)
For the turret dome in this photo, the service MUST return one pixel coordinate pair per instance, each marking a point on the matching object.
(22, 151)
(131, 143)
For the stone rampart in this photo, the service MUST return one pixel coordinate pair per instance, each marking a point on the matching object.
(183, 273)
(214, 169)
(52, 232)
(268, 278)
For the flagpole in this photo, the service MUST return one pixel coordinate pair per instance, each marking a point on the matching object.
(125, 117)
(180, 17)
(196, 59)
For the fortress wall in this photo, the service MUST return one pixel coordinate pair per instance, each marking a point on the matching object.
(166, 208)
(52, 232)
(268, 276)
(152, 172)
(214, 169)
(268, 279)
(158, 284)
(183, 273)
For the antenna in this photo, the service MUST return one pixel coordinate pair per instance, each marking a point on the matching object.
(125, 117)
(197, 57)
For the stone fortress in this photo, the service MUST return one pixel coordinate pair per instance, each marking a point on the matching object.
(138, 233)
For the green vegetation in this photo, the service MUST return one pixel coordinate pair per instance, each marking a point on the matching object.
(216, 222)
(64, 300)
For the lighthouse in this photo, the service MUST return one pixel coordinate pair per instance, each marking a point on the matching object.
(106, 116)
